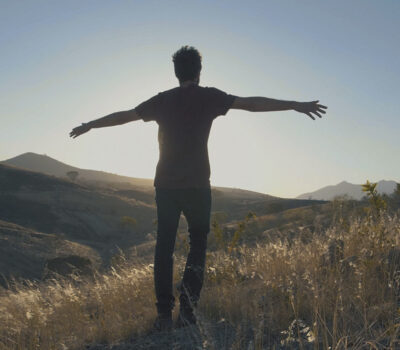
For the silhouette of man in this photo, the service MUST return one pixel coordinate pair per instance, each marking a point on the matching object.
(185, 115)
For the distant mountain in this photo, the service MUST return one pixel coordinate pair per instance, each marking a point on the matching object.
(345, 188)
(50, 166)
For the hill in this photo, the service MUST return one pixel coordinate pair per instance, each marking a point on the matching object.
(345, 188)
(72, 211)
(234, 201)
(98, 219)
(50, 166)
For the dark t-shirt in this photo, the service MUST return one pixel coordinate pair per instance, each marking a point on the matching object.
(184, 116)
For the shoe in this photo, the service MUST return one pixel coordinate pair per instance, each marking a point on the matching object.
(163, 323)
(186, 318)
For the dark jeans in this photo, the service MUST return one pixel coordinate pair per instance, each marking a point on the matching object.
(195, 203)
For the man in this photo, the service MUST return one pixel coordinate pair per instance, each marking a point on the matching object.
(185, 115)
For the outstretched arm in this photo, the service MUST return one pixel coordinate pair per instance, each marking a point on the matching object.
(112, 119)
(264, 104)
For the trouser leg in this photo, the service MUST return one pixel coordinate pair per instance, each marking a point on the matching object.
(193, 276)
(197, 207)
(168, 214)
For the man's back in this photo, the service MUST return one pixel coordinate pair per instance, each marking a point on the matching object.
(184, 116)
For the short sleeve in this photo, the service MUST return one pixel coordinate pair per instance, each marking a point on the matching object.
(151, 109)
(219, 102)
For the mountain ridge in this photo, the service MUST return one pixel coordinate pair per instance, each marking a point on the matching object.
(44, 164)
(349, 189)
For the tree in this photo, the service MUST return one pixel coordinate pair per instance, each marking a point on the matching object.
(377, 203)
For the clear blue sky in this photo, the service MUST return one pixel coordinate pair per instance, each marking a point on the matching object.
(67, 62)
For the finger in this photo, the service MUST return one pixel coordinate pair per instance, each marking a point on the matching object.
(309, 114)
(321, 111)
(319, 115)
(322, 106)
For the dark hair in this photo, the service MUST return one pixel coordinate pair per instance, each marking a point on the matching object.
(187, 63)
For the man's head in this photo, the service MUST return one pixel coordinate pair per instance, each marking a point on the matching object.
(187, 64)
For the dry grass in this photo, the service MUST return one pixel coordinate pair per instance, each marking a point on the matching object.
(343, 285)
(66, 315)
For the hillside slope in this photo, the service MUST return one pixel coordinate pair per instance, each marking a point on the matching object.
(138, 187)
(233, 201)
(46, 216)
(23, 251)
(50, 166)
(52, 205)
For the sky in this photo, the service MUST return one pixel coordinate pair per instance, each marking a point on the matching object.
(67, 62)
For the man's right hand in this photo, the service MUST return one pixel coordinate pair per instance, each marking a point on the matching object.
(79, 130)
(310, 108)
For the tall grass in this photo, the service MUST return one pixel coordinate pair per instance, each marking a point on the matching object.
(338, 290)
(344, 285)
(68, 314)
